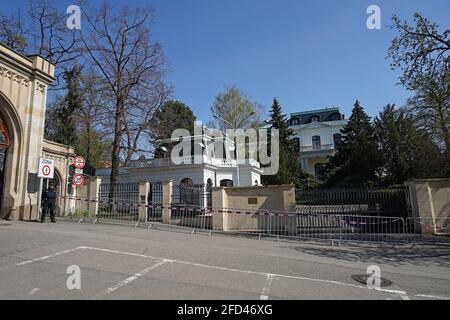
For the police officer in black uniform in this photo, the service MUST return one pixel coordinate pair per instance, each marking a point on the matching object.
(49, 205)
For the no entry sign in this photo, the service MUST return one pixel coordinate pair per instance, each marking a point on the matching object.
(79, 162)
(46, 168)
(78, 180)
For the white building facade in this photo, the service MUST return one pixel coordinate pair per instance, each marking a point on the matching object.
(199, 167)
(317, 133)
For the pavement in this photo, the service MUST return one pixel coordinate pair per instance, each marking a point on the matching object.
(43, 261)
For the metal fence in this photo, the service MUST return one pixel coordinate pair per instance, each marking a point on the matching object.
(125, 204)
(199, 195)
(425, 230)
(155, 200)
(192, 217)
(330, 227)
(339, 228)
(364, 202)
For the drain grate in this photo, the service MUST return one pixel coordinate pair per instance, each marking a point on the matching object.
(362, 278)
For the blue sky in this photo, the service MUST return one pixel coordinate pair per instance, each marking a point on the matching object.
(308, 54)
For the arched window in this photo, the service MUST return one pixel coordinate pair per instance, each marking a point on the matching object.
(4, 137)
(226, 183)
(337, 138)
(316, 142)
(187, 182)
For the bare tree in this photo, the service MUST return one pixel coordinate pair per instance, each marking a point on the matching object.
(12, 32)
(94, 118)
(139, 117)
(422, 52)
(120, 47)
(42, 30)
(419, 50)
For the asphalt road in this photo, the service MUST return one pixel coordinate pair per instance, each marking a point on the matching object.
(121, 262)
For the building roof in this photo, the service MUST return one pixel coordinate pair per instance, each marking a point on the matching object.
(314, 111)
(322, 115)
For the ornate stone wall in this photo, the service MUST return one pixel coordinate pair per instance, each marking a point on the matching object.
(23, 95)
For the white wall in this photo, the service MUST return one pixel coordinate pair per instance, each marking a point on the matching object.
(325, 130)
(199, 174)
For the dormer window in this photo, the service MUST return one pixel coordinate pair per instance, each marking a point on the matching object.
(315, 118)
(294, 122)
(335, 117)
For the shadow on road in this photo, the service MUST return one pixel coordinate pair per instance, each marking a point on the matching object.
(420, 256)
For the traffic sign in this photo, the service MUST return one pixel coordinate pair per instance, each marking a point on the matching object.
(46, 168)
(78, 180)
(79, 162)
(78, 171)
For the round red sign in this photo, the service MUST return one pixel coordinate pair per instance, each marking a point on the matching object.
(78, 180)
(79, 162)
(46, 170)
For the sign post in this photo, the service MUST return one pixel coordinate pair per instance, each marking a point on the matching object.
(78, 178)
(46, 170)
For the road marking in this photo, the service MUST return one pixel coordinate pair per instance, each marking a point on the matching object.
(47, 257)
(129, 279)
(404, 297)
(400, 292)
(431, 296)
(33, 291)
(265, 292)
(164, 260)
(244, 271)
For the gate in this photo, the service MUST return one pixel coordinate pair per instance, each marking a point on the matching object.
(124, 206)
(368, 202)
(155, 196)
(197, 195)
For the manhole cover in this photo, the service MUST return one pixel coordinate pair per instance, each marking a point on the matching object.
(362, 278)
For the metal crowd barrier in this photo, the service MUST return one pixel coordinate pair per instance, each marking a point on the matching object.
(192, 217)
(330, 227)
(350, 227)
(428, 230)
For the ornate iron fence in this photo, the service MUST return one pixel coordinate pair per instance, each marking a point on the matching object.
(155, 200)
(123, 206)
(368, 202)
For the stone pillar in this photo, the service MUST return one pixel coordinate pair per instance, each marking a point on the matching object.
(144, 190)
(94, 189)
(166, 200)
(218, 199)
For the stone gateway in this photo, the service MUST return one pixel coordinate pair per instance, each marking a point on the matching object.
(24, 81)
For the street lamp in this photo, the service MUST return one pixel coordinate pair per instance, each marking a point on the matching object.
(235, 143)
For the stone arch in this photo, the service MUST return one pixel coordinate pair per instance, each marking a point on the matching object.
(186, 182)
(12, 176)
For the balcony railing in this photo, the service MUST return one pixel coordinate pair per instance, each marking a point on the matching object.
(323, 147)
(167, 162)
